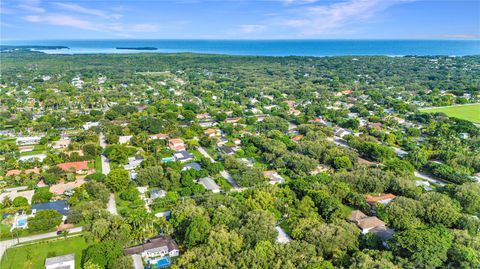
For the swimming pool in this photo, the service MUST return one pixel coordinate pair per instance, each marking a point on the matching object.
(21, 222)
(162, 262)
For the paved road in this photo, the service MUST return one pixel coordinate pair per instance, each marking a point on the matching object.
(103, 142)
(111, 206)
(429, 178)
(226, 175)
(4, 245)
(137, 261)
(105, 165)
(205, 154)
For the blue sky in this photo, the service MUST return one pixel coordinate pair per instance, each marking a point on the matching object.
(239, 19)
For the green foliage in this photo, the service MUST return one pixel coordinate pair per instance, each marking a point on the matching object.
(44, 220)
(118, 179)
(440, 209)
(424, 247)
(103, 254)
(20, 201)
(41, 195)
(197, 231)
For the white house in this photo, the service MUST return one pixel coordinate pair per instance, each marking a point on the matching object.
(155, 247)
(28, 140)
(124, 139)
(89, 125)
(209, 184)
(61, 262)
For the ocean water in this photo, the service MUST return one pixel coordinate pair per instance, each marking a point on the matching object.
(268, 47)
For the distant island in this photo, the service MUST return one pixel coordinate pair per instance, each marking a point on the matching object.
(136, 48)
(30, 47)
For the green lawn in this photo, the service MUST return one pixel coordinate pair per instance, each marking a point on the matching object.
(98, 164)
(469, 112)
(33, 256)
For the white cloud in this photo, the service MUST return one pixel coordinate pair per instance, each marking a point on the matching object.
(252, 28)
(88, 11)
(461, 36)
(325, 19)
(62, 20)
(111, 28)
(300, 2)
(31, 6)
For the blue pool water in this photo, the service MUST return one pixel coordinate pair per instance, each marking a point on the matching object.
(21, 222)
(267, 47)
(163, 262)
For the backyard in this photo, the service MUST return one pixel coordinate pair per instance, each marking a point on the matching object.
(33, 256)
(470, 112)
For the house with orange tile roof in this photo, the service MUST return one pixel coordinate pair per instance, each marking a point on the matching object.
(294, 112)
(316, 120)
(297, 138)
(364, 222)
(63, 187)
(202, 116)
(176, 144)
(211, 132)
(232, 120)
(158, 136)
(15, 172)
(76, 166)
(383, 198)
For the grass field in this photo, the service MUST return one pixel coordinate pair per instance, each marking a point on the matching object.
(33, 256)
(469, 112)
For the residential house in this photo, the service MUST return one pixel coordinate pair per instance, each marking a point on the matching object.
(233, 120)
(157, 194)
(207, 123)
(158, 136)
(60, 206)
(15, 172)
(294, 112)
(194, 166)
(183, 156)
(61, 144)
(317, 121)
(210, 132)
(124, 139)
(364, 222)
(384, 198)
(222, 141)
(261, 117)
(274, 177)
(22, 149)
(227, 150)
(89, 125)
(176, 144)
(77, 167)
(15, 193)
(340, 132)
(66, 187)
(155, 247)
(61, 262)
(133, 162)
(209, 184)
(28, 140)
(203, 116)
(297, 138)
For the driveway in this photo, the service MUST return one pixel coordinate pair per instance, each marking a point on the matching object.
(111, 206)
(205, 154)
(105, 165)
(428, 178)
(4, 245)
(226, 175)
(137, 261)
